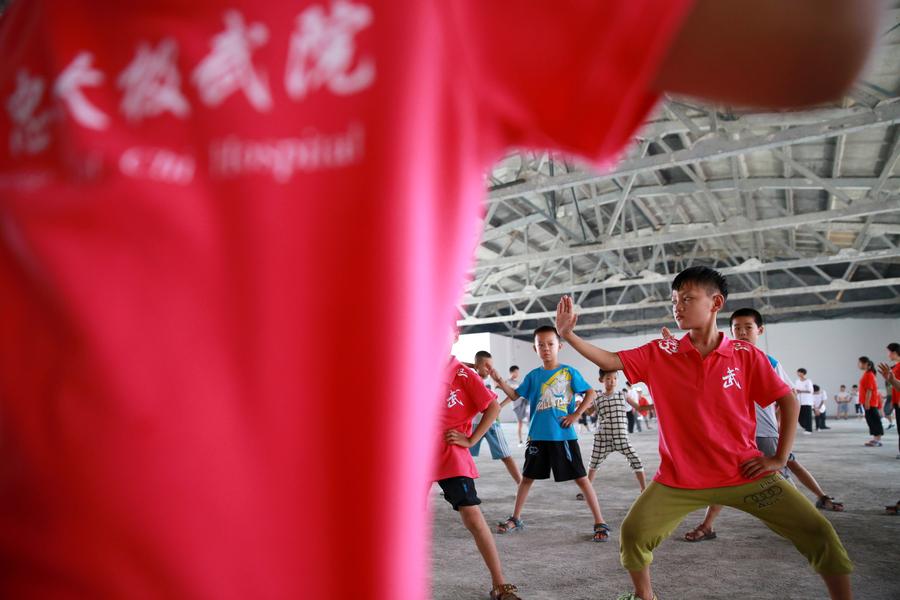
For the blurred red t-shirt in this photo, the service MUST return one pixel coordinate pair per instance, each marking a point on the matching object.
(222, 224)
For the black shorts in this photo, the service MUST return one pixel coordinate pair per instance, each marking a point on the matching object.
(460, 491)
(563, 458)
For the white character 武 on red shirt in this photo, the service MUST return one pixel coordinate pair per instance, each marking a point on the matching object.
(229, 68)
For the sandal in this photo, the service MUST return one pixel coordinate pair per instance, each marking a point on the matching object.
(504, 526)
(873, 444)
(699, 534)
(633, 596)
(828, 503)
(601, 532)
(507, 591)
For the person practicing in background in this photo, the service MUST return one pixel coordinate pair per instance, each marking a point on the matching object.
(632, 407)
(465, 396)
(842, 399)
(892, 378)
(803, 387)
(484, 365)
(585, 420)
(612, 433)
(552, 442)
(747, 326)
(870, 399)
(645, 407)
(891, 374)
(857, 404)
(889, 408)
(520, 406)
(696, 382)
(820, 407)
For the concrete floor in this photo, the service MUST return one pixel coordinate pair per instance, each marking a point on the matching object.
(553, 558)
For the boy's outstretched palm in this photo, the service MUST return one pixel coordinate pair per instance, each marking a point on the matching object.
(565, 316)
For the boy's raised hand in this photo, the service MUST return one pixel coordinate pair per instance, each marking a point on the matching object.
(565, 316)
(666, 334)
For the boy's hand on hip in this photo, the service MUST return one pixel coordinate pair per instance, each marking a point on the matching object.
(760, 466)
(457, 438)
(567, 421)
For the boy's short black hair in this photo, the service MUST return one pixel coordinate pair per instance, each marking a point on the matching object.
(801, 370)
(601, 372)
(894, 347)
(514, 368)
(855, 385)
(816, 387)
(703, 277)
(482, 354)
(747, 312)
(545, 329)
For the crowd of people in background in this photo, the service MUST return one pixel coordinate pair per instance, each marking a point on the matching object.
(695, 378)
(866, 397)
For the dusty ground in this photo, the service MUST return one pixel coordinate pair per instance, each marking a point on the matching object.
(553, 558)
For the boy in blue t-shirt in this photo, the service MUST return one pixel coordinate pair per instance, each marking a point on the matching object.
(552, 442)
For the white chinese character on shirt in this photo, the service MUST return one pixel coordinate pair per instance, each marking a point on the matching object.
(453, 400)
(68, 86)
(322, 50)
(229, 67)
(29, 132)
(151, 83)
(669, 345)
(730, 378)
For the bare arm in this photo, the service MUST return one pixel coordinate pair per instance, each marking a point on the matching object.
(511, 394)
(489, 416)
(565, 325)
(585, 404)
(770, 52)
(787, 429)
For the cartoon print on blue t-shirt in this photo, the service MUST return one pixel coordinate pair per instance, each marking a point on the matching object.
(556, 392)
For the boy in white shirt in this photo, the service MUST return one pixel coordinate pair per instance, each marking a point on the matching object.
(842, 399)
(803, 387)
(820, 401)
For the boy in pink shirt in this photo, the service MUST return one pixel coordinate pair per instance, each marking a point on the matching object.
(467, 396)
(712, 456)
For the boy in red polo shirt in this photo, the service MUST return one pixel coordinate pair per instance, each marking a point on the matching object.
(467, 396)
(711, 457)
